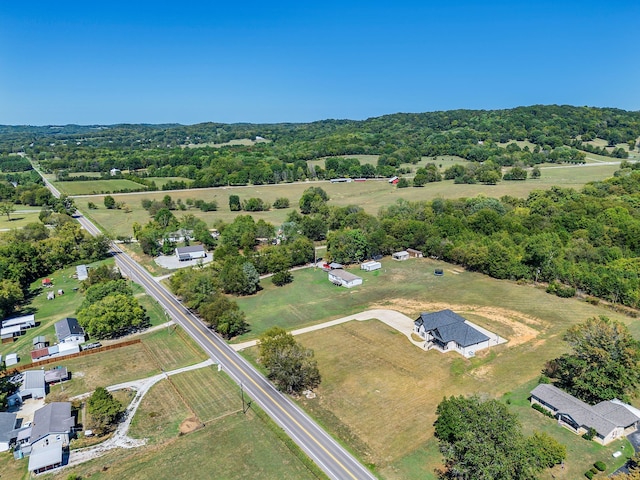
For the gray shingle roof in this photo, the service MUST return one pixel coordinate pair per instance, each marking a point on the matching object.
(33, 379)
(190, 249)
(7, 425)
(448, 326)
(604, 417)
(344, 275)
(54, 417)
(67, 327)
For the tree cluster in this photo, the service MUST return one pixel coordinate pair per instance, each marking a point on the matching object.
(104, 411)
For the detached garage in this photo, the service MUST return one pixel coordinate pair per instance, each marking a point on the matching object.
(343, 278)
(192, 252)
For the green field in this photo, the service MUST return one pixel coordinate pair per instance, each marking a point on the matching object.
(162, 181)
(90, 187)
(367, 366)
(230, 445)
(19, 218)
(370, 195)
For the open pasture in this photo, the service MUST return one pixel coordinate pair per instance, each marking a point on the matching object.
(90, 187)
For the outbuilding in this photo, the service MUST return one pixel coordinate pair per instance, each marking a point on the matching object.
(370, 266)
(33, 384)
(413, 253)
(82, 272)
(55, 375)
(400, 256)
(11, 359)
(344, 279)
(191, 252)
(8, 431)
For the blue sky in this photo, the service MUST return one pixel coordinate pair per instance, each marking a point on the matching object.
(195, 61)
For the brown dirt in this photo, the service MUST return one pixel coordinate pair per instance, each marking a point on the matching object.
(520, 326)
(189, 425)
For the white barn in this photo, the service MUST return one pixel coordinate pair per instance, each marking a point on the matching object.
(370, 266)
(192, 252)
(344, 278)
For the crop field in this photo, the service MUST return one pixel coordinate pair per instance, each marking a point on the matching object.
(367, 366)
(89, 187)
(230, 444)
(370, 195)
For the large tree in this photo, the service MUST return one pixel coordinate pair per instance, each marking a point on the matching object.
(104, 410)
(112, 316)
(290, 366)
(604, 362)
(482, 440)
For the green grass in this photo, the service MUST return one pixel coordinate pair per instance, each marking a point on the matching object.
(162, 181)
(90, 187)
(19, 219)
(231, 445)
(367, 366)
(172, 348)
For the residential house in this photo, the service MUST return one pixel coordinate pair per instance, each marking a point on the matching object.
(33, 384)
(344, 279)
(400, 256)
(370, 266)
(68, 330)
(8, 432)
(50, 432)
(609, 419)
(446, 330)
(192, 252)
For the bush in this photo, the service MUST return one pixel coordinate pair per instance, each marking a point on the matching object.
(281, 202)
(560, 290)
(588, 474)
(282, 278)
(541, 409)
(600, 465)
(590, 434)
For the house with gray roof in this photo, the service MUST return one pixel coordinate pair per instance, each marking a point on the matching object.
(33, 384)
(50, 432)
(191, 252)
(8, 432)
(343, 278)
(68, 330)
(610, 420)
(446, 331)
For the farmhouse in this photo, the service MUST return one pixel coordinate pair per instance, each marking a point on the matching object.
(33, 384)
(8, 432)
(192, 252)
(68, 330)
(344, 279)
(370, 266)
(610, 420)
(52, 425)
(400, 256)
(414, 253)
(446, 330)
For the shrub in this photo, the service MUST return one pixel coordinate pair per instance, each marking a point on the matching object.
(600, 465)
(281, 202)
(560, 290)
(541, 409)
(589, 434)
(282, 278)
(588, 474)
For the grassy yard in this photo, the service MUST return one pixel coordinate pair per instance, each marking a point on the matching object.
(162, 181)
(230, 444)
(367, 366)
(370, 195)
(19, 218)
(88, 187)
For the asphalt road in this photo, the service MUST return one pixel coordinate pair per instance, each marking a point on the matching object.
(328, 454)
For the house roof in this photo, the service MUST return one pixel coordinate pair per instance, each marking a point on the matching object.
(413, 250)
(344, 275)
(67, 327)
(190, 249)
(448, 326)
(7, 426)
(56, 375)
(26, 319)
(33, 379)
(45, 457)
(603, 418)
(54, 417)
(335, 265)
(81, 272)
(39, 339)
(402, 253)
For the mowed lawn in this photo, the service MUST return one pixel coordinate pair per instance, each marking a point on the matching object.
(370, 195)
(88, 187)
(230, 444)
(379, 392)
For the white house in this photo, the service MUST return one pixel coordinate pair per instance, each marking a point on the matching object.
(403, 255)
(50, 432)
(192, 252)
(115, 171)
(33, 384)
(68, 330)
(370, 266)
(344, 278)
(609, 419)
(447, 331)
(26, 321)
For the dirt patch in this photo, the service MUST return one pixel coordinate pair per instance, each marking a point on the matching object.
(189, 425)
(520, 327)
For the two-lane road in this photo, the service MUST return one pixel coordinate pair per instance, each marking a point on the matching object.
(328, 454)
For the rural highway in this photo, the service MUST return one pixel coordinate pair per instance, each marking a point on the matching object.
(328, 454)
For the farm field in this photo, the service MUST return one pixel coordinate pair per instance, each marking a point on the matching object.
(230, 444)
(367, 366)
(370, 195)
(89, 187)
(162, 181)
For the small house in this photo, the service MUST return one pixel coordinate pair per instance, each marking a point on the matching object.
(50, 432)
(370, 266)
(414, 253)
(33, 384)
(68, 330)
(9, 333)
(39, 353)
(400, 256)
(26, 321)
(343, 278)
(191, 252)
(8, 433)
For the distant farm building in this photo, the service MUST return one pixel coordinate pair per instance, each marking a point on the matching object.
(344, 279)
(394, 180)
(193, 252)
(414, 253)
(11, 359)
(47, 282)
(40, 342)
(446, 331)
(115, 171)
(370, 266)
(400, 256)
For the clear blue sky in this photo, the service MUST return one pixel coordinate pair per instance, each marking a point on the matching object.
(195, 61)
